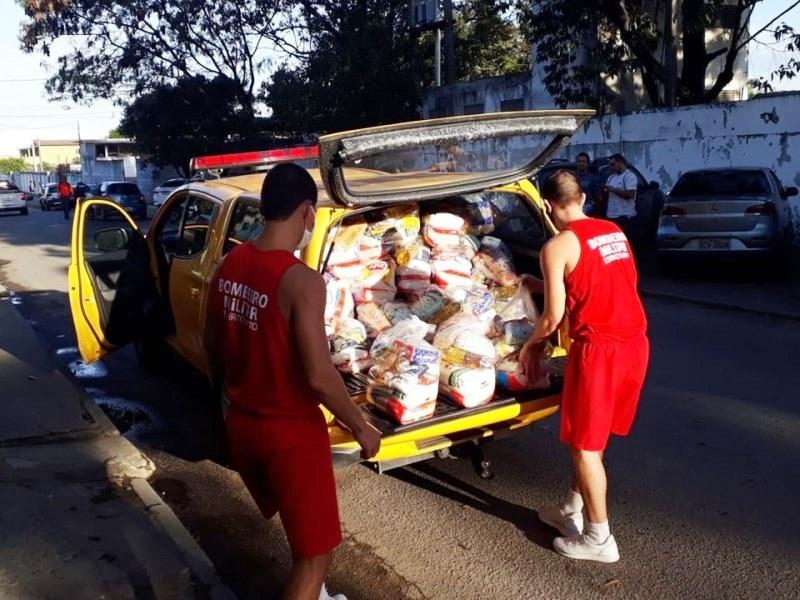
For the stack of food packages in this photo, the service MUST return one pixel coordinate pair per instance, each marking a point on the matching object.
(426, 307)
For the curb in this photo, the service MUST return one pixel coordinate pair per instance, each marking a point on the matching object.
(722, 305)
(196, 558)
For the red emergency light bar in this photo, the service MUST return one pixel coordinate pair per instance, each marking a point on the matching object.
(260, 157)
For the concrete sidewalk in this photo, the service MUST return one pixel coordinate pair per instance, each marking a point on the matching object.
(79, 519)
(770, 298)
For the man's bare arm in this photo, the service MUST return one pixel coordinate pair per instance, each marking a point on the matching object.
(304, 292)
(553, 261)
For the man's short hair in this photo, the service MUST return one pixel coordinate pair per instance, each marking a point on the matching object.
(619, 158)
(585, 155)
(562, 187)
(286, 187)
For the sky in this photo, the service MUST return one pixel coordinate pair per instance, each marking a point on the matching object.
(26, 112)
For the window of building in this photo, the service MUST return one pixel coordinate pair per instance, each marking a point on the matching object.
(474, 109)
(513, 104)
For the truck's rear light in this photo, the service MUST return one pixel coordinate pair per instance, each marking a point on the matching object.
(765, 208)
(673, 211)
(261, 157)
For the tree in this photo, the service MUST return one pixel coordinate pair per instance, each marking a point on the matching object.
(115, 134)
(128, 48)
(195, 116)
(12, 164)
(361, 68)
(488, 41)
(582, 43)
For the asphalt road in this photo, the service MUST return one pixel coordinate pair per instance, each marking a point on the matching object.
(703, 494)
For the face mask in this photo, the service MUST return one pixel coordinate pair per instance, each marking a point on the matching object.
(305, 240)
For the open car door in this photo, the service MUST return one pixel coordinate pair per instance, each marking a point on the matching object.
(112, 295)
(437, 158)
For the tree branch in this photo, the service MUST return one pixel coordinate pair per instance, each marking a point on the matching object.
(768, 25)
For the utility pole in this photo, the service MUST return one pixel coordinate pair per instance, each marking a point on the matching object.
(449, 46)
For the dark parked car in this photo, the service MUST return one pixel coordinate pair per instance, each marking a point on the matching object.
(126, 195)
(649, 197)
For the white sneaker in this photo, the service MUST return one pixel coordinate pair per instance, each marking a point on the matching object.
(567, 523)
(323, 595)
(577, 546)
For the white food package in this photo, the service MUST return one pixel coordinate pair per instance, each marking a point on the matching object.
(467, 387)
(443, 230)
(376, 283)
(452, 274)
(338, 303)
(348, 347)
(511, 377)
(494, 261)
(463, 341)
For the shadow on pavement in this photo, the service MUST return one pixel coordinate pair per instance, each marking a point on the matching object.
(427, 477)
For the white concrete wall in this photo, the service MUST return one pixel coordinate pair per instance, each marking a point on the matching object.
(665, 143)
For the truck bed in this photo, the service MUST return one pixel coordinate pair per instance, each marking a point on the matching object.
(445, 408)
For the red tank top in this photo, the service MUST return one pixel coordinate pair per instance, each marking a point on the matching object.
(602, 296)
(264, 373)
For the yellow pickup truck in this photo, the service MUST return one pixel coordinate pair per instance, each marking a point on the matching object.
(150, 289)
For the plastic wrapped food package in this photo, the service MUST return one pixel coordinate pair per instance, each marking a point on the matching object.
(348, 347)
(462, 340)
(453, 273)
(397, 226)
(397, 311)
(376, 283)
(511, 377)
(373, 317)
(479, 302)
(467, 387)
(413, 270)
(429, 304)
(480, 215)
(494, 261)
(404, 382)
(338, 303)
(443, 230)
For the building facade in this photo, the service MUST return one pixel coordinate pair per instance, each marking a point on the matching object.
(44, 155)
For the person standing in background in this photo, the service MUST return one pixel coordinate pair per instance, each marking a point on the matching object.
(590, 184)
(65, 196)
(621, 187)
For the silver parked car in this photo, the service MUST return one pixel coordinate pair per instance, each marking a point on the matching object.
(726, 212)
(163, 191)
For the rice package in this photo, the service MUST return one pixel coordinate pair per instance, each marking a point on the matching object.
(451, 274)
(479, 302)
(467, 248)
(348, 347)
(338, 303)
(376, 282)
(443, 230)
(494, 261)
(404, 382)
(467, 387)
(511, 377)
(373, 318)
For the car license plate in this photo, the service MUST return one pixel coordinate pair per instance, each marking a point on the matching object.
(715, 244)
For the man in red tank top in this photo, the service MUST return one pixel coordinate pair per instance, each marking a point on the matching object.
(265, 338)
(589, 272)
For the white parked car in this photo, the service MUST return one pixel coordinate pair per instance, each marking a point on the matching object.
(162, 192)
(12, 199)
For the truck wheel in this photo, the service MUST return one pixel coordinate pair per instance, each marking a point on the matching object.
(151, 353)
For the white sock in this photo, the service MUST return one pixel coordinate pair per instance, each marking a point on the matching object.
(573, 503)
(596, 533)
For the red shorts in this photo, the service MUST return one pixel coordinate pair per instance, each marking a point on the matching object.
(287, 468)
(602, 385)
